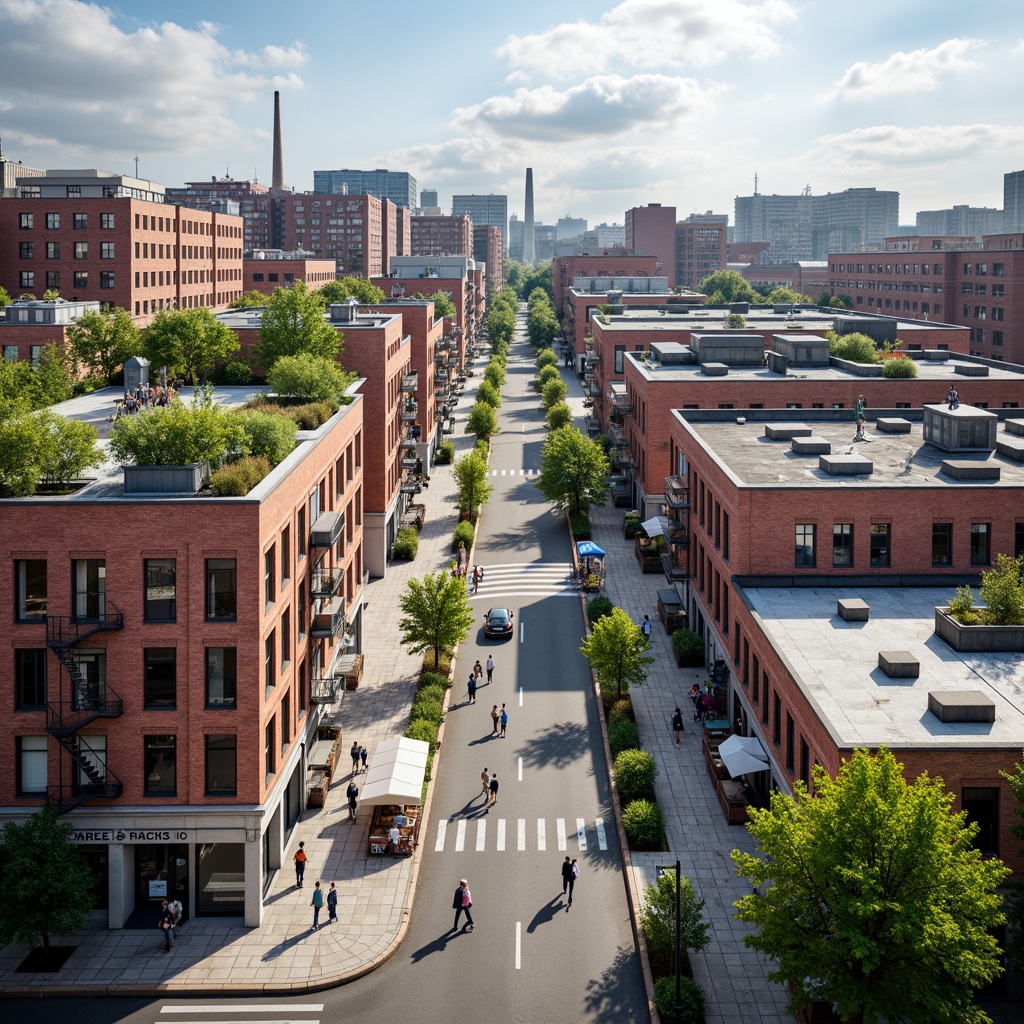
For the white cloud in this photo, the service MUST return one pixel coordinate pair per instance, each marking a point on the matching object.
(652, 34)
(80, 85)
(914, 72)
(600, 106)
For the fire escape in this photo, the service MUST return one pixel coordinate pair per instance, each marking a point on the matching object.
(676, 561)
(328, 604)
(89, 700)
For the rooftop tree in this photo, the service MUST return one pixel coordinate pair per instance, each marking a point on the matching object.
(292, 323)
(104, 340)
(189, 342)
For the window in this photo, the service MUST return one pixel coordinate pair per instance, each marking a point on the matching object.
(89, 594)
(982, 806)
(27, 250)
(805, 545)
(767, 694)
(880, 545)
(160, 685)
(286, 721)
(1018, 540)
(301, 613)
(159, 603)
(107, 279)
(32, 778)
(286, 638)
(269, 674)
(980, 544)
(221, 768)
(268, 748)
(221, 596)
(81, 279)
(107, 221)
(81, 250)
(30, 679)
(106, 250)
(620, 354)
(842, 545)
(26, 279)
(160, 765)
(94, 750)
(53, 280)
(302, 533)
(777, 720)
(942, 544)
(805, 761)
(790, 741)
(268, 576)
(81, 221)
(26, 221)
(30, 590)
(53, 250)
(52, 221)
(286, 555)
(221, 677)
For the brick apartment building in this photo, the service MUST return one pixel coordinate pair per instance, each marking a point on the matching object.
(267, 269)
(171, 656)
(92, 235)
(805, 277)
(700, 248)
(942, 278)
(26, 328)
(441, 236)
(773, 524)
(651, 231)
(566, 269)
(488, 251)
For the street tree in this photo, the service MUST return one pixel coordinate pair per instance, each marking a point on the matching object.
(870, 896)
(617, 651)
(559, 415)
(249, 300)
(104, 340)
(658, 917)
(487, 392)
(553, 392)
(573, 471)
(294, 322)
(46, 887)
(351, 288)
(436, 615)
(1015, 905)
(482, 421)
(501, 324)
(189, 342)
(470, 474)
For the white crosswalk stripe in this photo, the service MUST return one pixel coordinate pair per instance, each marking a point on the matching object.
(523, 579)
(515, 472)
(567, 835)
(481, 835)
(442, 828)
(560, 828)
(521, 843)
(501, 835)
(542, 843)
(460, 836)
(602, 839)
(581, 834)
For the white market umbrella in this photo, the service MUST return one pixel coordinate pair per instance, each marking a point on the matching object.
(743, 755)
(396, 772)
(655, 526)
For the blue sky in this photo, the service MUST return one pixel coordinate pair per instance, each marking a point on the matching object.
(613, 104)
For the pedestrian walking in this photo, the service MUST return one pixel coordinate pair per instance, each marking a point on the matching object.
(461, 904)
(352, 793)
(493, 787)
(504, 719)
(490, 669)
(677, 725)
(485, 782)
(471, 688)
(355, 758)
(363, 754)
(567, 876)
(166, 924)
(300, 865)
(645, 627)
(695, 697)
(316, 903)
(478, 671)
(572, 880)
(332, 905)
(495, 719)
(177, 910)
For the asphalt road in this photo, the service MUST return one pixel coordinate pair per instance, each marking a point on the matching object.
(531, 957)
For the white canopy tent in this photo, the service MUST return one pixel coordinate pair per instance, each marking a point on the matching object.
(396, 773)
(743, 755)
(656, 526)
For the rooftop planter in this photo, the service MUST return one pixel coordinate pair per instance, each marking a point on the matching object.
(998, 625)
(977, 638)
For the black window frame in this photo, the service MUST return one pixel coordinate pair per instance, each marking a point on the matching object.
(842, 541)
(152, 746)
(209, 741)
(942, 533)
(981, 530)
(21, 597)
(881, 558)
(214, 567)
(30, 678)
(801, 559)
(157, 695)
(228, 700)
(147, 584)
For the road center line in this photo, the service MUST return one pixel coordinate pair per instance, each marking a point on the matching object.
(519, 944)
(520, 769)
(520, 696)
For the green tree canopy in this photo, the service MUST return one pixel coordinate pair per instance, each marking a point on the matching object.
(727, 286)
(294, 322)
(67, 448)
(541, 324)
(20, 451)
(617, 651)
(501, 324)
(559, 415)
(573, 471)
(870, 896)
(444, 305)
(482, 421)
(46, 887)
(308, 376)
(857, 347)
(487, 392)
(250, 300)
(780, 293)
(658, 917)
(103, 340)
(36, 386)
(189, 342)
(5, 297)
(435, 614)
(351, 288)
(470, 474)
(553, 392)
(1015, 906)
(524, 279)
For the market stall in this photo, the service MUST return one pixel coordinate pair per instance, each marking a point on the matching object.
(394, 785)
(590, 565)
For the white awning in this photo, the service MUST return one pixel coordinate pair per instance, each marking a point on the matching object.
(743, 755)
(396, 772)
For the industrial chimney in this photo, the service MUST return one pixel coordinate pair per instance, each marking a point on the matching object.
(529, 240)
(277, 184)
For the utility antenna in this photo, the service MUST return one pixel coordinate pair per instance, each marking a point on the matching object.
(136, 165)
(755, 183)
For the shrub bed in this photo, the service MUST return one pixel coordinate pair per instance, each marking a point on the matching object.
(579, 523)
(431, 679)
(421, 729)
(623, 735)
(691, 997)
(445, 454)
(645, 825)
(598, 608)
(635, 771)
(407, 543)
(238, 478)
(426, 707)
(621, 709)
(462, 535)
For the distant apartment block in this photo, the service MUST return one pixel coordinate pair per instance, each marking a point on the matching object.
(700, 248)
(1013, 201)
(975, 221)
(570, 227)
(398, 186)
(782, 221)
(484, 209)
(267, 269)
(487, 249)
(441, 236)
(651, 231)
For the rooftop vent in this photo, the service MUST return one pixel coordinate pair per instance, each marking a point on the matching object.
(964, 429)
(961, 706)
(845, 465)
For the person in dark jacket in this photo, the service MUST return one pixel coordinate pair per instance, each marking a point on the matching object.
(677, 725)
(461, 904)
(568, 878)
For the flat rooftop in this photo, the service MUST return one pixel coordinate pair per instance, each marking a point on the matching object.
(251, 318)
(898, 460)
(835, 664)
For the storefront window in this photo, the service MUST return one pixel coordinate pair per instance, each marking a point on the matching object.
(221, 888)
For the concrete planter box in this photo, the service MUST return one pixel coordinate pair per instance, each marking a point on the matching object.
(977, 638)
(166, 479)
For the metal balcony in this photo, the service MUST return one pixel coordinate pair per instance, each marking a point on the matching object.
(410, 382)
(674, 572)
(624, 457)
(411, 486)
(618, 436)
(620, 402)
(410, 411)
(326, 690)
(410, 460)
(325, 532)
(677, 494)
(324, 583)
(329, 622)
(440, 357)
(408, 442)
(441, 375)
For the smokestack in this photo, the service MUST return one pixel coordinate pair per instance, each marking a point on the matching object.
(529, 246)
(277, 184)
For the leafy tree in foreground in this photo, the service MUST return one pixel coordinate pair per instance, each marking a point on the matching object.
(573, 471)
(470, 474)
(46, 887)
(444, 305)
(103, 340)
(293, 323)
(188, 341)
(727, 286)
(435, 614)
(1015, 906)
(871, 897)
(67, 447)
(249, 300)
(351, 288)
(617, 651)
(487, 392)
(5, 297)
(658, 917)
(482, 421)
(307, 376)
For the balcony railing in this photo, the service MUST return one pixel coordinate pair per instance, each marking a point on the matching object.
(331, 621)
(410, 382)
(677, 494)
(325, 584)
(408, 442)
(326, 690)
(410, 411)
(325, 532)
(620, 402)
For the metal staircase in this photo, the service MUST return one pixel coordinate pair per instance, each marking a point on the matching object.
(65, 718)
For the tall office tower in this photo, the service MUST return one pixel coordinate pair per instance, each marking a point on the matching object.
(428, 197)
(277, 183)
(570, 227)
(515, 239)
(484, 210)
(1013, 201)
(398, 186)
(782, 221)
(529, 241)
(974, 221)
(856, 219)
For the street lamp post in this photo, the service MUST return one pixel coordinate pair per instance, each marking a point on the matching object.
(677, 1006)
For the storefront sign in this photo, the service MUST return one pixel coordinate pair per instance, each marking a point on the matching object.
(158, 889)
(118, 835)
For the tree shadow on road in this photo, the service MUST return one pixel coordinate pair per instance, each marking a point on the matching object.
(612, 998)
(559, 745)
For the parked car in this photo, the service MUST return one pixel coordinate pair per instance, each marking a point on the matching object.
(498, 622)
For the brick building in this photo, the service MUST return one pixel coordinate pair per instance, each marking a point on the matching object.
(772, 535)
(700, 248)
(943, 278)
(441, 236)
(267, 269)
(805, 277)
(97, 236)
(171, 657)
(26, 328)
(488, 251)
(566, 269)
(651, 231)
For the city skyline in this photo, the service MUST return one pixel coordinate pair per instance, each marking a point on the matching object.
(679, 103)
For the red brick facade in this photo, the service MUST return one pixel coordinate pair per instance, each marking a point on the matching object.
(264, 275)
